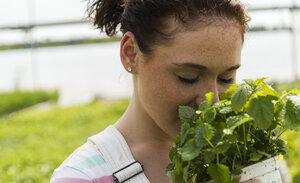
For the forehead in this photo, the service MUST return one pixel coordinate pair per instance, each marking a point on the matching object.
(209, 39)
(217, 43)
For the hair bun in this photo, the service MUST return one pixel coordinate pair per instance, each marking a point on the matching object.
(106, 14)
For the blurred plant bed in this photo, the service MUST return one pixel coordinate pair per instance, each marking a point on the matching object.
(281, 86)
(293, 156)
(18, 99)
(34, 143)
(293, 138)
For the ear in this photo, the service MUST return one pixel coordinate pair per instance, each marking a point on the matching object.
(129, 51)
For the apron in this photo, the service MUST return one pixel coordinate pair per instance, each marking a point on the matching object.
(117, 155)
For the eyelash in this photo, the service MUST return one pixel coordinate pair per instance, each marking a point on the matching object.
(191, 81)
(226, 81)
(187, 81)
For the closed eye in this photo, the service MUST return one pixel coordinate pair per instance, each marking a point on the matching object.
(191, 81)
(187, 81)
(226, 81)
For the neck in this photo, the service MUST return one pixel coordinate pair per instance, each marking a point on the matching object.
(148, 143)
(138, 127)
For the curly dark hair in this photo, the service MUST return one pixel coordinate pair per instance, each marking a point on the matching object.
(149, 20)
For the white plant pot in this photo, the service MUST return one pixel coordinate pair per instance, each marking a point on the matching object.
(267, 171)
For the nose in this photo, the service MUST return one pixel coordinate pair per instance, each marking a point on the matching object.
(209, 87)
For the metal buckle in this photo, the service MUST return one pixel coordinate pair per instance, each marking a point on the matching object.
(116, 178)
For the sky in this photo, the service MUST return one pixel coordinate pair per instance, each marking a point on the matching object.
(20, 12)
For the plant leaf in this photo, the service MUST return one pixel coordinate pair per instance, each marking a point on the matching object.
(277, 108)
(226, 110)
(171, 153)
(219, 105)
(259, 81)
(250, 81)
(186, 114)
(210, 114)
(185, 127)
(235, 121)
(190, 150)
(170, 167)
(234, 180)
(288, 116)
(177, 178)
(264, 153)
(255, 157)
(294, 91)
(296, 102)
(240, 96)
(281, 144)
(207, 103)
(229, 92)
(204, 133)
(261, 109)
(269, 90)
(208, 156)
(223, 146)
(231, 89)
(220, 173)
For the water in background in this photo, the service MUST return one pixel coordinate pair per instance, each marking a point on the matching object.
(82, 72)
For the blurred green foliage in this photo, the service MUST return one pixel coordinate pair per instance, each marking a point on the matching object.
(33, 143)
(16, 100)
(293, 156)
(292, 137)
(281, 86)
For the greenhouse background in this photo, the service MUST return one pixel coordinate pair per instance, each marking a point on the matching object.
(57, 72)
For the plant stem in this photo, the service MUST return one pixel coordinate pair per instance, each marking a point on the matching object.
(209, 143)
(214, 148)
(233, 163)
(245, 143)
(240, 154)
(255, 137)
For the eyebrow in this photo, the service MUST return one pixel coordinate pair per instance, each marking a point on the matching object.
(202, 67)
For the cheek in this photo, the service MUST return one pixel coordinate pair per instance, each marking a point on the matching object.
(174, 94)
(173, 91)
(164, 94)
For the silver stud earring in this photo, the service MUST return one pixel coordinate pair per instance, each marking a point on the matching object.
(129, 69)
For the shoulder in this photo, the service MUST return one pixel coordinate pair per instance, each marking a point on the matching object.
(84, 165)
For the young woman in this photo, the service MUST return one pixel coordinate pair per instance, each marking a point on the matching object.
(177, 51)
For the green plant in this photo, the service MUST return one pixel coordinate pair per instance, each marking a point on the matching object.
(34, 142)
(281, 86)
(16, 100)
(217, 141)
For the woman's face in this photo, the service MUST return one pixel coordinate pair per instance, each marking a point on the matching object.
(197, 62)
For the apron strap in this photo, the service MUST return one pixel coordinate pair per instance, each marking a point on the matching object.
(115, 151)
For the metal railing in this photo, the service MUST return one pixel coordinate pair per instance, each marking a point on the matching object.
(73, 22)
